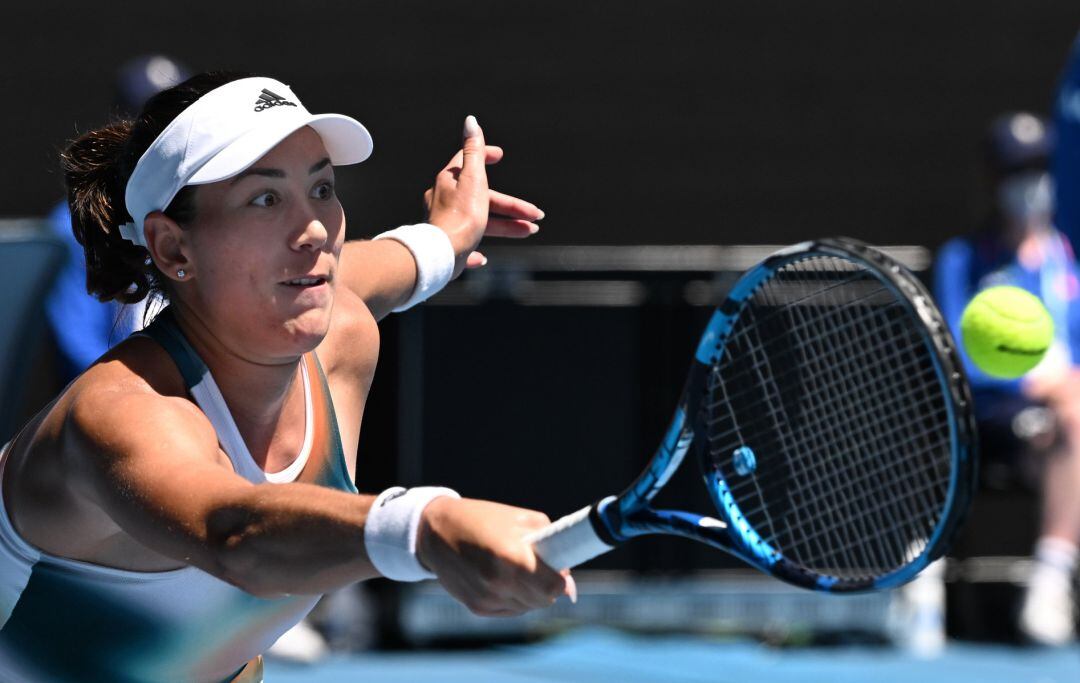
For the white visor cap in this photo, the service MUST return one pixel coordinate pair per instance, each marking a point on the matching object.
(223, 133)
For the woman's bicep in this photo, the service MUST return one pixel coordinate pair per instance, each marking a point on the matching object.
(151, 465)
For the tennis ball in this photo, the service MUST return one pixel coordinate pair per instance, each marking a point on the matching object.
(1006, 331)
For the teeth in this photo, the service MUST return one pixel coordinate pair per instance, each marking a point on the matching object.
(305, 281)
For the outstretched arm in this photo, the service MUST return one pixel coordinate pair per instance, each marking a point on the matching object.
(383, 272)
(167, 486)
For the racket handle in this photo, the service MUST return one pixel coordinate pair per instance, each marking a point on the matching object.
(570, 541)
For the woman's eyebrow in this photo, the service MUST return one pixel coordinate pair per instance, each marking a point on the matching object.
(268, 172)
(277, 172)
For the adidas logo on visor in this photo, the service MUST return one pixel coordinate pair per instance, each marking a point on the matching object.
(269, 99)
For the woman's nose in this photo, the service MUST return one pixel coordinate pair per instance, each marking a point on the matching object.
(314, 234)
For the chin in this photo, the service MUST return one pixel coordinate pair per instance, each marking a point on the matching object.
(306, 331)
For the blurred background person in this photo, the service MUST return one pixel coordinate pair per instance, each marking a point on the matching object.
(1031, 424)
(1065, 157)
(83, 327)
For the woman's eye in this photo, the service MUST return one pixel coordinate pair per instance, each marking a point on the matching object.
(266, 199)
(324, 190)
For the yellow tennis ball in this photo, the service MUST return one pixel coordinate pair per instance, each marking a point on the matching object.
(1006, 331)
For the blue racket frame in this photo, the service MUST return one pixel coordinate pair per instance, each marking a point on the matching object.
(619, 518)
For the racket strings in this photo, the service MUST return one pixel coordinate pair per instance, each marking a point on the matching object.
(810, 294)
(854, 495)
(933, 402)
(849, 514)
(755, 388)
(738, 433)
(896, 528)
(782, 430)
(867, 478)
(738, 376)
(854, 469)
(877, 553)
(832, 367)
(821, 503)
(908, 502)
(913, 439)
(844, 501)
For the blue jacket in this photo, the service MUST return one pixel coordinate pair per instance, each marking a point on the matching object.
(84, 328)
(1065, 162)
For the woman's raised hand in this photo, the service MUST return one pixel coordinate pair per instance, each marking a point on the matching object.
(462, 204)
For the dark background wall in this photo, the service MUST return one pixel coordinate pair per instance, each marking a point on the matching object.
(628, 122)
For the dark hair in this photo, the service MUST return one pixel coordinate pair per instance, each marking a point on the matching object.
(96, 169)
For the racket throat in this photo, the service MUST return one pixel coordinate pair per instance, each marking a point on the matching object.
(605, 518)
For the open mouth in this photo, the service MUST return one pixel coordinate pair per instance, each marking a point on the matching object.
(305, 282)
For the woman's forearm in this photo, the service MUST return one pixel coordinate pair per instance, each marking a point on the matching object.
(292, 539)
(381, 272)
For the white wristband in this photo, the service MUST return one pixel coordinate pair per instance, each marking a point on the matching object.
(391, 528)
(434, 256)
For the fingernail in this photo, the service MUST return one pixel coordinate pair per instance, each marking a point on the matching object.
(541, 216)
(571, 588)
(472, 128)
(533, 228)
(483, 262)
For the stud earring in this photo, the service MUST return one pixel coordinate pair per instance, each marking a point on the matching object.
(147, 261)
(180, 273)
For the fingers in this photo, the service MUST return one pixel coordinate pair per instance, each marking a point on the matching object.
(493, 154)
(532, 583)
(473, 153)
(510, 227)
(571, 586)
(525, 597)
(512, 207)
(478, 596)
(502, 227)
(544, 586)
(532, 519)
(511, 585)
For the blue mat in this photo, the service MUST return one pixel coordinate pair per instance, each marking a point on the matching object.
(594, 655)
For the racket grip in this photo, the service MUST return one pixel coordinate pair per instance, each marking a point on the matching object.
(570, 541)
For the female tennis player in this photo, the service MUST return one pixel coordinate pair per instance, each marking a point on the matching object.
(187, 499)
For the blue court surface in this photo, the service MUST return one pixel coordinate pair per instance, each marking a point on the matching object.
(594, 655)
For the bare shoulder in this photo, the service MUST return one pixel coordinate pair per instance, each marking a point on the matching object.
(124, 413)
(132, 403)
(133, 394)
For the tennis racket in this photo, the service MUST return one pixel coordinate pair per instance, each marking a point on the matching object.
(828, 408)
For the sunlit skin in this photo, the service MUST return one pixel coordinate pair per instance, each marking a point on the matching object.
(277, 221)
(124, 470)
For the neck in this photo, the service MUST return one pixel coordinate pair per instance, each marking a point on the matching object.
(262, 396)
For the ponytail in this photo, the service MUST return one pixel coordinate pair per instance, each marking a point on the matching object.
(114, 267)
